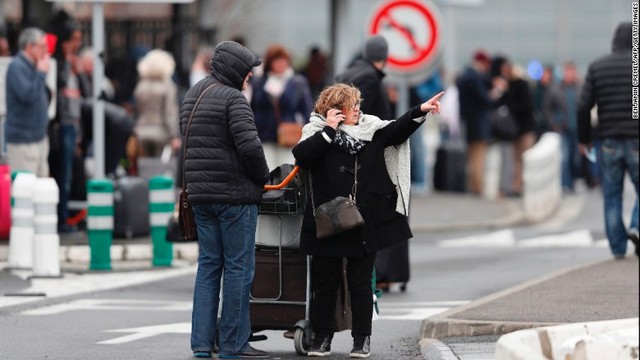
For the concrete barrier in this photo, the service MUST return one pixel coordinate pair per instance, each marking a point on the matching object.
(46, 241)
(580, 341)
(21, 233)
(542, 188)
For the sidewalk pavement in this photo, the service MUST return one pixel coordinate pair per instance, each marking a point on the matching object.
(594, 292)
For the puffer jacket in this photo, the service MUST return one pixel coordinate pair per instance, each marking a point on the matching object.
(608, 85)
(225, 163)
(363, 75)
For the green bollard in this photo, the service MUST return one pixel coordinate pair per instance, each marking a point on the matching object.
(161, 203)
(100, 222)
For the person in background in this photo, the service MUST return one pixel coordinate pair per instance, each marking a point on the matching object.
(562, 105)
(156, 98)
(475, 102)
(27, 99)
(4, 47)
(540, 93)
(200, 65)
(317, 71)
(225, 170)
(608, 86)
(279, 95)
(67, 138)
(519, 102)
(118, 123)
(433, 85)
(339, 147)
(367, 74)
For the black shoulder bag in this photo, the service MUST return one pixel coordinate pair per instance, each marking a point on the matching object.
(338, 215)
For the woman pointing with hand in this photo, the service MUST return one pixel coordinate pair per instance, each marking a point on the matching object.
(345, 152)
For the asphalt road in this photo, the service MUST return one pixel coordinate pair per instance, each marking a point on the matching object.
(447, 270)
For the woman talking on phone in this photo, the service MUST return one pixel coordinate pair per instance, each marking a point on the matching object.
(348, 153)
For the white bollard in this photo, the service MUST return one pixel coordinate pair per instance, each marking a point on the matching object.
(46, 241)
(21, 233)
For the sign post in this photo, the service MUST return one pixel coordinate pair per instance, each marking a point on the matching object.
(413, 30)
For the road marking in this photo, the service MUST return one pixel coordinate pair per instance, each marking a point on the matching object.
(147, 332)
(506, 239)
(578, 238)
(502, 238)
(410, 314)
(112, 304)
(422, 303)
(72, 284)
(414, 310)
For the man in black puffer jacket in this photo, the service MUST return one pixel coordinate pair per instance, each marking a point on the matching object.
(225, 170)
(366, 74)
(609, 86)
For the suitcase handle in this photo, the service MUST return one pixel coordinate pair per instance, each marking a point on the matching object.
(285, 181)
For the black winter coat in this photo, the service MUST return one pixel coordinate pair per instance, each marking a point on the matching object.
(225, 163)
(332, 174)
(608, 85)
(363, 75)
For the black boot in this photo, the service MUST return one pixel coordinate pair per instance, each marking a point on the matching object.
(361, 347)
(321, 346)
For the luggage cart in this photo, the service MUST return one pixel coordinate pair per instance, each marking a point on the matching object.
(280, 297)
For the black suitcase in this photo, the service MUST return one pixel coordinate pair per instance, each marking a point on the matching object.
(278, 298)
(131, 207)
(449, 173)
(392, 266)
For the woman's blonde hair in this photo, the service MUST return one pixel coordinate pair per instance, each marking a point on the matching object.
(157, 64)
(338, 96)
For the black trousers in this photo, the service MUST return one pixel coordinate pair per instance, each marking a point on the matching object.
(326, 277)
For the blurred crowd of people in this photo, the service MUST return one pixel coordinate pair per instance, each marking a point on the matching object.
(493, 102)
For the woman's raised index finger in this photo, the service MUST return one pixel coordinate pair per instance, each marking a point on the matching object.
(438, 96)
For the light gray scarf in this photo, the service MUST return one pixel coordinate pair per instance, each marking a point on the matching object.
(397, 158)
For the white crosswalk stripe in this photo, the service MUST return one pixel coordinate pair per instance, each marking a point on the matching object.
(414, 311)
(507, 239)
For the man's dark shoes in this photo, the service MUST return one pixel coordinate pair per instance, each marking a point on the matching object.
(321, 346)
(361, 347)
(250, 353)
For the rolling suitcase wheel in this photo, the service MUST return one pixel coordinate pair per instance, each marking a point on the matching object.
(303, 337)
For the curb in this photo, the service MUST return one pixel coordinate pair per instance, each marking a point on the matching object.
(81, 254)
(571, 341)
(434, 349)
(127, 252)
(446, 325)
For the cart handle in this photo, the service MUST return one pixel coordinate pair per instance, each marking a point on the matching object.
(285, 181)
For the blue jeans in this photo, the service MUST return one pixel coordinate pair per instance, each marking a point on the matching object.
(570, 159)
(615, 157)
(226, 235)
(67, 148)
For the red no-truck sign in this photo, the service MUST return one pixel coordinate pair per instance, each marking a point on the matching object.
(412, 28)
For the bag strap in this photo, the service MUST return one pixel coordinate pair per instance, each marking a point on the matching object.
(354, 188)
(186, 135)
